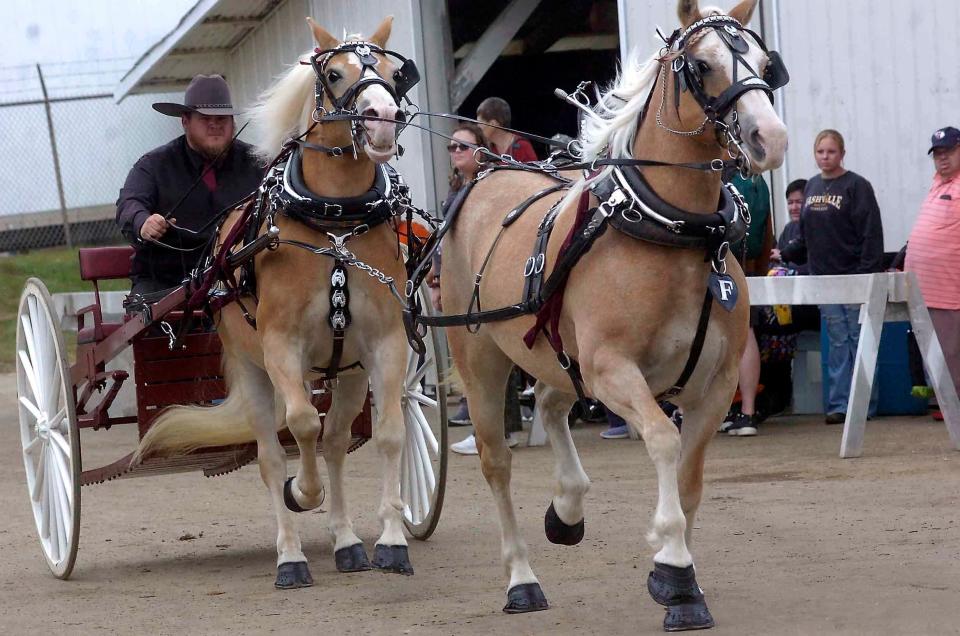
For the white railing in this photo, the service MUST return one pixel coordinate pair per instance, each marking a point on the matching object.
(884, 297)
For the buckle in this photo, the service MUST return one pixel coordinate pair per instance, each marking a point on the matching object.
(336, 207)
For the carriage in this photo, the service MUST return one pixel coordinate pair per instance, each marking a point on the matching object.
(59, 398)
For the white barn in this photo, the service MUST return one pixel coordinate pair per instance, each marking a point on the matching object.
(883, 72)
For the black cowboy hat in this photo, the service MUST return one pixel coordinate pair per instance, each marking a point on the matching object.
(206, 94)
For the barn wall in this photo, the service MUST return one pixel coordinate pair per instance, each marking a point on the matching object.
(882, 72)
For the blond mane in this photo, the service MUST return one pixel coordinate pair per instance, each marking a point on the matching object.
(283, 109)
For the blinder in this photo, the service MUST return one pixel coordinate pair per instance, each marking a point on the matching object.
(688, 76)
(405, 77)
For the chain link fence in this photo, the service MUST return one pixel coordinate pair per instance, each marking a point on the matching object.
(65, 150)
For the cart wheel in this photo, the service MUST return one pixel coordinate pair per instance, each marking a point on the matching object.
(423, 466)
(48, 428)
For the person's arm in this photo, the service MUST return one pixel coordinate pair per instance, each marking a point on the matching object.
(795, 250)
(871, 230)
(138, 197)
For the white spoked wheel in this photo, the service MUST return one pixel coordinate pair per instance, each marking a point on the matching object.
(48, 428)
(423, 466)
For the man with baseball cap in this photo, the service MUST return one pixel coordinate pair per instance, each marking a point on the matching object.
(933, 251)
(184, 184)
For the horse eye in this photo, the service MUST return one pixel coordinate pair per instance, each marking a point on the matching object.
(703, 67)
(333, 76)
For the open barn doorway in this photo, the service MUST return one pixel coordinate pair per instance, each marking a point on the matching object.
(560, 43)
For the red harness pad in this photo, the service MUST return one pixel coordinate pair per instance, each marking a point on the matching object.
(554, 305)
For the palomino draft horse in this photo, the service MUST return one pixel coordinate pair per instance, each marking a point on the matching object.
(634, 314)
(329, 193)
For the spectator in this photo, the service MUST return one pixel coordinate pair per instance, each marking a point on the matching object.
(933, 251)
(841, 231)
(753, 252)
(493, 112)
(792, 229)
(171, 175)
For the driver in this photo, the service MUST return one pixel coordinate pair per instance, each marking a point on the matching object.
(167, 177)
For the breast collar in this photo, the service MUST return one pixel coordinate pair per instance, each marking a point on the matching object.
(385, 198)
(643, 215)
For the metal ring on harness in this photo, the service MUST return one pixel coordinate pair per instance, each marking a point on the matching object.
(528, 267)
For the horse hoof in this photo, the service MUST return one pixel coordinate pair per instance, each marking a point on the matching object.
(526, 597)
(392, 558)
(352, 559)
(670, 585)
(559, 532)
(687, 616)
(290, 576)
(289, 499)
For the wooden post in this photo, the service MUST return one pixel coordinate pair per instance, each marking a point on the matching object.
(56, 159)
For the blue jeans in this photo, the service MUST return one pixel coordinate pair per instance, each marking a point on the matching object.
(843, 333)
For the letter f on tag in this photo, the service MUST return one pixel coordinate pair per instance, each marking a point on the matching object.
(724, 290)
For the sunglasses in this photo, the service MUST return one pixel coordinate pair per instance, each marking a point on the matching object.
(455, 147)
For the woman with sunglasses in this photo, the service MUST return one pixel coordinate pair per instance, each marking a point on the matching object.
(465, 139)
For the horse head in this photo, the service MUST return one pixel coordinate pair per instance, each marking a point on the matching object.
(722, 73)
(358, 91)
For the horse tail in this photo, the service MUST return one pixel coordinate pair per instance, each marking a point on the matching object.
(182, 429)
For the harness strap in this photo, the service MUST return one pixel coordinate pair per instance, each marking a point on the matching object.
(339, 317)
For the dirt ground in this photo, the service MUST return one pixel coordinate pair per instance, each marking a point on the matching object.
(790, 540)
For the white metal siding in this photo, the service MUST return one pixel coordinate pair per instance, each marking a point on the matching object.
(883, 73)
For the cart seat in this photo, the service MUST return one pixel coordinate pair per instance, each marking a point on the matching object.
(105, 263)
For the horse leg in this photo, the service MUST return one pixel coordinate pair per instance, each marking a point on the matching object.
(620, 385)
(485, 375)
(347, 403)
(389, 432)
(563, 522)
(254, 384)
(304, 491)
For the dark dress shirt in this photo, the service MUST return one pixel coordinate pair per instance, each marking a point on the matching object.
(158, 181)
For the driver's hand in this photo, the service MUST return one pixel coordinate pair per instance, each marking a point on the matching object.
(155, 227)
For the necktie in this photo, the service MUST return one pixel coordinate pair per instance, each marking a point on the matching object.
(209, 177)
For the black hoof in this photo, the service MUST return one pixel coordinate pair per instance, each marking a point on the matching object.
(687, 616)
(352, 559)
(677, 589)
(290, 576)
(559, 532)
(289, 499)
(527, 597)
(670, 585)
(392, 558)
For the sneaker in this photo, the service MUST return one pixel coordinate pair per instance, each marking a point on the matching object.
(937, 415)
(672, 411)
(512, 440)
(743, 426)
(462, 416)
(527, 392)
(835, 418)
(467, 447)
(729, 419)
(616, 432)
(526, 414)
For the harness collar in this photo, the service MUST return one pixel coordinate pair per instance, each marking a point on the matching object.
(386, 197)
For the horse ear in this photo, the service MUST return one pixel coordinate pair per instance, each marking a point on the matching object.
(688, 11)
(743, 12)
(324, 39)
(382, 34)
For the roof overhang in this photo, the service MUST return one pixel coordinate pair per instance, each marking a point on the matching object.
(200, 43)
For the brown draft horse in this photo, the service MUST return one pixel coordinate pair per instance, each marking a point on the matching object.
(631, 307)
(266, 368)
